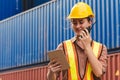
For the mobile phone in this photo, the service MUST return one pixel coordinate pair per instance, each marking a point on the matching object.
(89, 29)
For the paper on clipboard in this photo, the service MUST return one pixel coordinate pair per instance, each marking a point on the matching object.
(59, 56)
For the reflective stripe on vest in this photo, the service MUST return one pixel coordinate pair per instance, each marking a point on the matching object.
(70, 50)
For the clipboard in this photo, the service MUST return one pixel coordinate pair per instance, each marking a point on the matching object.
(59, 56)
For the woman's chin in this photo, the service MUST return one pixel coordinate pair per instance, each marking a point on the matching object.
(78, 35)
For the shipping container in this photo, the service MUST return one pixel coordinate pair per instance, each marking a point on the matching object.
(37, 73)
(113, 68)
(28, 4)
(9, 8)
(40, 73)
(26, 38)
(38, 2)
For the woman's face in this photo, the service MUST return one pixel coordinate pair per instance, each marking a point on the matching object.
(79, 25)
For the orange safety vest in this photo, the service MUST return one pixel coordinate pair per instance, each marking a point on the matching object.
(70, 51)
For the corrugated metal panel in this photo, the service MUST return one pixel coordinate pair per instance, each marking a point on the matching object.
(36, 73)
(9, 8)
(26, 38)
(107, 22)
(113, 69)
(40, 73)
(38, 2)
(28, 4)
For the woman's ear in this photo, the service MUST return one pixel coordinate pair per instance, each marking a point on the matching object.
(90, 23)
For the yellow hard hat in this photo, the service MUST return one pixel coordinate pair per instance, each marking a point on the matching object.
(81, 10)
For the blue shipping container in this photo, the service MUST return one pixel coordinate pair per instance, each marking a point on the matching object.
(28, 4)
(38, 2)
(26, 37)
(9, 8)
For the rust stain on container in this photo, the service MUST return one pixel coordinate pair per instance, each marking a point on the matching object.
(117, 73)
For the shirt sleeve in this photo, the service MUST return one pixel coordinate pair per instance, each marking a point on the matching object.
(60, 46)
(103, 58)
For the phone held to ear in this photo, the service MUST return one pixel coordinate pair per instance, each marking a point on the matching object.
(88, 28)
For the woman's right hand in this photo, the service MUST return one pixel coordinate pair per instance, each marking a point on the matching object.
(53, 69)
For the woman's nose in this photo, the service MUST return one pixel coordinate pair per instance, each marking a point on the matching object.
(78, 25)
